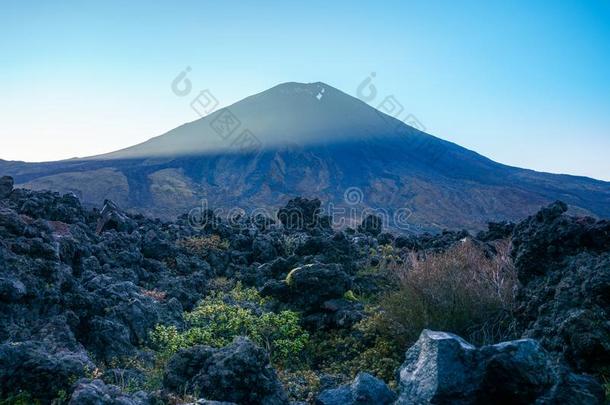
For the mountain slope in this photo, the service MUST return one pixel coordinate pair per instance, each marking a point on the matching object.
(316, 141)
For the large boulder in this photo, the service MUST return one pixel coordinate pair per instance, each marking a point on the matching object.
(48, 205)
(364, 390)
(302, 214)
(542, 241)
(96, 392)
(563, 263)
(33, 368)
(185, 365)
(372, 225)
(11, 289)
(496, 231)
(313, 284)
(442, 368)
(112, 217)
(238, 373)
(6, 186)
(438, 367)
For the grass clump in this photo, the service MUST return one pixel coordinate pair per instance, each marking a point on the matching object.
(202, 245)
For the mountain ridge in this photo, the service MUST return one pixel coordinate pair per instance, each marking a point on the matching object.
(313, 140)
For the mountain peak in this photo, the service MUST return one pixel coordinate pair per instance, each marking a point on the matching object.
(287, 114)
(317, 90)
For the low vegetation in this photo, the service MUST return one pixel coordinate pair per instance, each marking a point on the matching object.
(463, 290)
(221, 317)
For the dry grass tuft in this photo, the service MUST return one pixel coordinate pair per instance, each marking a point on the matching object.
(462, 290)
(154, 294)
(202, 245)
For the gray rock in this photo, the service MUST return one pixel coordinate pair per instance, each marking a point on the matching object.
(438, 367)
(442, 368)
(96, 392)
(237, 373)
(263, 249)
(313, 284)
(111, 217)
(364, 390)
(30, 367)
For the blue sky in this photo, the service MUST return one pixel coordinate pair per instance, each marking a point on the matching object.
(524, 83)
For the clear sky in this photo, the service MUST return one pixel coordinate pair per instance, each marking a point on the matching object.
(526, 83)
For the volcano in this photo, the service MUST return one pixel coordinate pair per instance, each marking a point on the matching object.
(312, 140)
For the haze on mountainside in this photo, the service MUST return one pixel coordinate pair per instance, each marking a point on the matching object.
(287, 114)
(316, 141)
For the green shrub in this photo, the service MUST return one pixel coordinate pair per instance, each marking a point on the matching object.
(300, 385)
(350, 296)
(348, 352)
(23, 398)
(221, 317)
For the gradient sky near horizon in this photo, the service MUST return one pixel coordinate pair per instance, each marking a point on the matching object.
(525, 83)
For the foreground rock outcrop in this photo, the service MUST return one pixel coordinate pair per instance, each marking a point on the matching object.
(442, 368)
(365, 389)
(563, 263)
(96, 392)
(237, 373)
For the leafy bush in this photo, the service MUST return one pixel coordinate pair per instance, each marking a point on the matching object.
(300, 385)
(348, 352)
(462, 290)
(23, 398)
(220, 317)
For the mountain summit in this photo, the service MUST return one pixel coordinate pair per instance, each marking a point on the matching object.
(316, 141)
(287, 114)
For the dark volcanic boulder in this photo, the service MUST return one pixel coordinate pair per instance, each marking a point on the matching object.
(313, 284)
(31, 367)
(442, 368)
(11, 289)
(568, 311)
(6, 186)
(111, 217)
(371, 224)
(237, 373)
(263, 249)
(185, 365)
(303, 214)
(564, 265)
(542, 241)
(96, 392)
(364, 390)
(496, 230)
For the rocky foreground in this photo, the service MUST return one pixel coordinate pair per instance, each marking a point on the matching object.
(81, 292)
